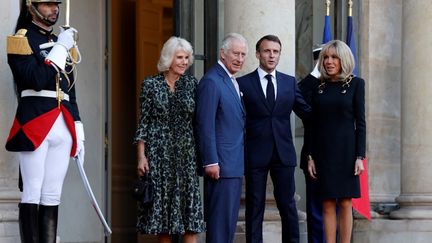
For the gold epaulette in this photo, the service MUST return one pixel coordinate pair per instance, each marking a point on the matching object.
(18, 43)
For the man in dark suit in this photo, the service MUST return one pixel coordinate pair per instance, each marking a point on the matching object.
(220, 120)
(269, 97)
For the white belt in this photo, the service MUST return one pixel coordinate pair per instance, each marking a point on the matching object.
(44, 93)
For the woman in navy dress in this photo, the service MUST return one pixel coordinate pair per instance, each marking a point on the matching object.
(338, 137)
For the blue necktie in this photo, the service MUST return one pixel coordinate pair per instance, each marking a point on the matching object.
(270, 92)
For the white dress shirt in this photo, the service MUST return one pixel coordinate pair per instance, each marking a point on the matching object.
(264, 81)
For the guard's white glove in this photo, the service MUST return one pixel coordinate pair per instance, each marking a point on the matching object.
(315, 72)
(59, 52)
(79, 129)
(66, 37)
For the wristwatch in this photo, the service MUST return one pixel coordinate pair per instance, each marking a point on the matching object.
(361, 157)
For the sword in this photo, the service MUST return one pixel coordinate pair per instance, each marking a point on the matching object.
(94, 203)
(67, 14)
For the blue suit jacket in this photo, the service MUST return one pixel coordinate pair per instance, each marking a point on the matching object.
(265, 127)
(220, 120)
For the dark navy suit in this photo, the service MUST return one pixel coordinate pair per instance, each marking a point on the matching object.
(220, 120)
(270, 147)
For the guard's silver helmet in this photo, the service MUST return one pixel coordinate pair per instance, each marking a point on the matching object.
(29, 2)
(32, 7)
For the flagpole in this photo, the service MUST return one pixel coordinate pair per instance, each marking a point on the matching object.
(327, 3)
(327, 36)
(350, 39)
(350, 8)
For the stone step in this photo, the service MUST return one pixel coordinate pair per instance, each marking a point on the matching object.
(271, 232)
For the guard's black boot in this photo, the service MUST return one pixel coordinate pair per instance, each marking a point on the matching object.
(48, 223)
(28, 222)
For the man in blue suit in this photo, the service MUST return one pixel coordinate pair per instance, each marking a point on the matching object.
(269, 97)
(220, 120)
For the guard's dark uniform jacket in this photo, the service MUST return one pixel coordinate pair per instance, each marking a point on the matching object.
(307, 86)
(35, 115)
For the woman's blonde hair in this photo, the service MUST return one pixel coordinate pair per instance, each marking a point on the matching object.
(343, 52)
(171, 46)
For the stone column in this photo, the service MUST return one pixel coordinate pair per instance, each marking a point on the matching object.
(416, 169)
(254, 19)
(380, 60)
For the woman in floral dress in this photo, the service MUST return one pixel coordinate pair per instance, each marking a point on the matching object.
(166, 147)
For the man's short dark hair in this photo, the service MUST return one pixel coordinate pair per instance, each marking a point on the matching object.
(269, 38)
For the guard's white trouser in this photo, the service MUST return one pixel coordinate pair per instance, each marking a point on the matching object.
(43, 170)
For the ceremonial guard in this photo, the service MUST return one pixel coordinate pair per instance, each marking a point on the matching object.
(46, 130)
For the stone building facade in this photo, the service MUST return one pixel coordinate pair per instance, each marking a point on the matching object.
(393, 49)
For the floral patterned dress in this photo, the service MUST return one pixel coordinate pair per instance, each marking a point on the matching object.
(166, 128)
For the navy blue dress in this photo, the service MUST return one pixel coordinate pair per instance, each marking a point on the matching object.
(338, 136)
